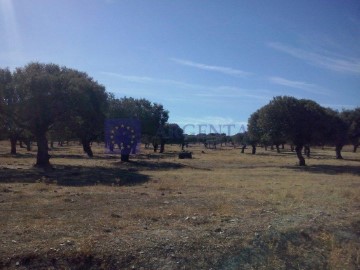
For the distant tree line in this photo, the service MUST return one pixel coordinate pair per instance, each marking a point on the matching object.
(155, 130)
(210, 140)
(301, 123)
(42, 102)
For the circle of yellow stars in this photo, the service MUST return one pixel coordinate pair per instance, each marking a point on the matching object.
(124, 131)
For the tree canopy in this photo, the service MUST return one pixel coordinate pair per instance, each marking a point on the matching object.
(42, 98)
(9, 108)
(152, 116)
(43, 101)
(299, 122)
(87, 107)
(352, 119)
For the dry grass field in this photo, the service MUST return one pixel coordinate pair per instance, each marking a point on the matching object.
(219, 210)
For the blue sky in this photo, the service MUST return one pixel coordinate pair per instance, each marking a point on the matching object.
(210, 62)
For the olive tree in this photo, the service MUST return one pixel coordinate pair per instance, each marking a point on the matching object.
(10, 125)
(43, 102)
(53, 98)
(299, 122)
(352, 118)
(254, 133)
(335, 131)
(88, 103)
(152, 117)
(172, 134)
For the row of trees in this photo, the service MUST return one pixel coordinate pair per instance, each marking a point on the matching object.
(210, 140)
(45, 101)
(155, 130)
(41, 100)
(301, 123)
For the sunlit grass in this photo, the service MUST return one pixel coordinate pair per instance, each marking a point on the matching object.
(220, 198)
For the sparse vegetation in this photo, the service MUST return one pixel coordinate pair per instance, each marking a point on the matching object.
(206, 208)
(159, 212)
(302, 123)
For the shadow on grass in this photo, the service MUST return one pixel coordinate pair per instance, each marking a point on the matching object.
(18, 155)
(74, 176)
(84, 156)
(273, 153)
(328, 169)
(150, 165)
(114, 155)
(289, 153)
(156, 155)
(314, 155)
(351, 159)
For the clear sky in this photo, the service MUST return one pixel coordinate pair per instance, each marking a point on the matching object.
(212, 62)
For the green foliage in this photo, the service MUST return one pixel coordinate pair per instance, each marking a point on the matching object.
(299, 122)
(152, 116)
(43, 100)
(87, 107)
(254, 133)
(287, 119)
(172, 134)
(5, 100)
(11, 126)
(303, 122)
(335, 129)
(46, 99)
(240, 138)
(191, 138)
(352, 119)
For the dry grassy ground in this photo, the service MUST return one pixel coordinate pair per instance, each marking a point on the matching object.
(220, 210)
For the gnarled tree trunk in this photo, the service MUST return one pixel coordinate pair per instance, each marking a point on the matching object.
(28, 145)
(277, 148)
(43, 157)
(338, 149)
(243, 149)
(87, 147)
(21, 144)
(298, 150)
(13, 140)
(253, 149)
(156, 146)
(355, 147)
(162, 147)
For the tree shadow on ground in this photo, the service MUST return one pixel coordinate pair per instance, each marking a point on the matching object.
(18, 155)
(114, 155)
(328, 169)
(314, 155)
(351, 159)
(156, 155)
(84, 156)
(74, 176)
(271, 153)
(149, 165)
